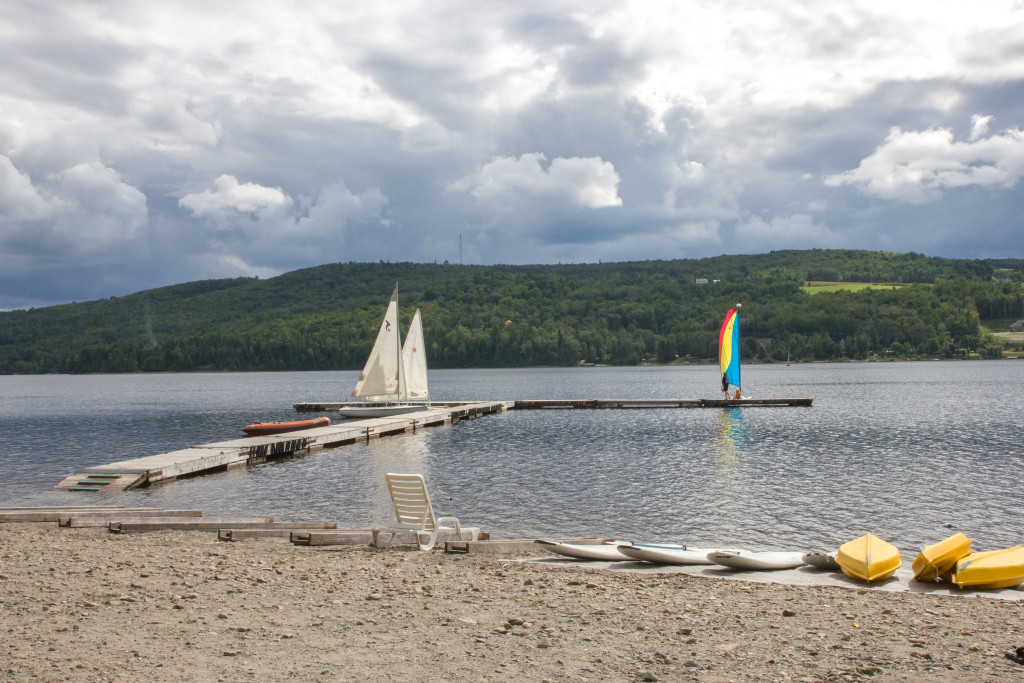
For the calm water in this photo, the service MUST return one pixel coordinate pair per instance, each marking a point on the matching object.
(897, 449)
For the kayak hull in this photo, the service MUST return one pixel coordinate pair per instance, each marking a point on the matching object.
(992, 569)
(822, 560)
(598, 551)
(361, 412)
(757, 561)
(265, 428)
(667, 554)
(935, 560)
(869, 558)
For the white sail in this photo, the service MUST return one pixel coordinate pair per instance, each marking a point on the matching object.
(383, 377)
(414, 360)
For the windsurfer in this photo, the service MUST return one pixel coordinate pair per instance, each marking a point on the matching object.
(725, 385)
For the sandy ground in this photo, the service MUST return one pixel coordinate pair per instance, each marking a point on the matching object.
(87, 605)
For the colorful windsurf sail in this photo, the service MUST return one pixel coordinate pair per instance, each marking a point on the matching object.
(729, 347)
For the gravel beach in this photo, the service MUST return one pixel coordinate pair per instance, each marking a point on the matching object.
(88, 605)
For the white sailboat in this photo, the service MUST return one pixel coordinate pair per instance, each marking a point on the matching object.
(393, 372)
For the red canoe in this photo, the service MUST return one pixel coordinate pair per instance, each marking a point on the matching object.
(263, 428)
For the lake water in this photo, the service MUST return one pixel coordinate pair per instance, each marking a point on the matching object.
(895, 449)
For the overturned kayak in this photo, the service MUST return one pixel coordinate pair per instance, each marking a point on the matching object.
(667, 554)
(935, 560)
(868, 558)
(822, 560)
(596, 551)
(759, 561)
(992, 569)
(264, 428)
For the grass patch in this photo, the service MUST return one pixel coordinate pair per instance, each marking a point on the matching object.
(816, 287)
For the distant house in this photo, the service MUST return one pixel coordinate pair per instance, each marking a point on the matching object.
(702, 281)
(764, 341)
(1017, 326)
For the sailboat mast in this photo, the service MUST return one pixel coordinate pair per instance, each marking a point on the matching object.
(398, 350)
(737, 342)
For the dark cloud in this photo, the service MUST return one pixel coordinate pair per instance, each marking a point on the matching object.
(144, 145)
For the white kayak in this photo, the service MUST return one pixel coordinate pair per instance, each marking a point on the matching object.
(596, 551)
(822, 560)
(667, 554)
(746, 559)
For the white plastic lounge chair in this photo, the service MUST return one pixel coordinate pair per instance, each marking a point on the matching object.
(413, 513)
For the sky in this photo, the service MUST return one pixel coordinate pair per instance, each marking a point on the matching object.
(144, 144)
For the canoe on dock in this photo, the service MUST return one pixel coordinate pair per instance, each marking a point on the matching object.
(264, 428)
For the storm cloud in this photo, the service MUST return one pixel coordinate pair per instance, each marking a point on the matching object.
(144, 144)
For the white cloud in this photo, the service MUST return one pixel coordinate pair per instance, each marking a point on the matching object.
(508, 181)
(19, 200)
(232, 195)
(98, 208)
(916, 166)
(84, 209)
(979, 126)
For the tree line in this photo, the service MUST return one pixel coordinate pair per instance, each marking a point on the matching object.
(327, 317)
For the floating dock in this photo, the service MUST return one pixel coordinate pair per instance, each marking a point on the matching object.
(603, 403)
(253, 450)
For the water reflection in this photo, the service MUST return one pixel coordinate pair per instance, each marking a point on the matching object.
(729, 444)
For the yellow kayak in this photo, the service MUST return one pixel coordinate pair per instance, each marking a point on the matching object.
(869, 558)
(992, 569)
(935, 560)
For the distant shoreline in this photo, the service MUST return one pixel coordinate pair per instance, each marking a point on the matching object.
(709, 362)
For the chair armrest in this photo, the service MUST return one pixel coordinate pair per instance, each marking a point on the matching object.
(441, 520)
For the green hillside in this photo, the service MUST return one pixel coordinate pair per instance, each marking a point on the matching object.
(326, 317)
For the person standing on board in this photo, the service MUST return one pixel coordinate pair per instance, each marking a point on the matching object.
(725, 386)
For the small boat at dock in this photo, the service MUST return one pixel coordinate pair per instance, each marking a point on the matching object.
(264, 428)
(393, 372)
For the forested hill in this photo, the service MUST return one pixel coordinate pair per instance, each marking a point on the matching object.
(505, 316)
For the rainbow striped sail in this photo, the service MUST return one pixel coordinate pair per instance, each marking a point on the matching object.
(729, 347)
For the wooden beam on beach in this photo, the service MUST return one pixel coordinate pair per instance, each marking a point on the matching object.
(284, 532)
(187, 524)
(92, 519)
(485, 546)
(55, 514)
(46, 508)
(341, 537)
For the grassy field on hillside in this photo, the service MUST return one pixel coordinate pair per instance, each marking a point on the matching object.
(815, 287)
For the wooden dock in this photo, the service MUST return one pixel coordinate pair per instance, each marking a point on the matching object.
(224, 455)
(605, 403)
(251, 450)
